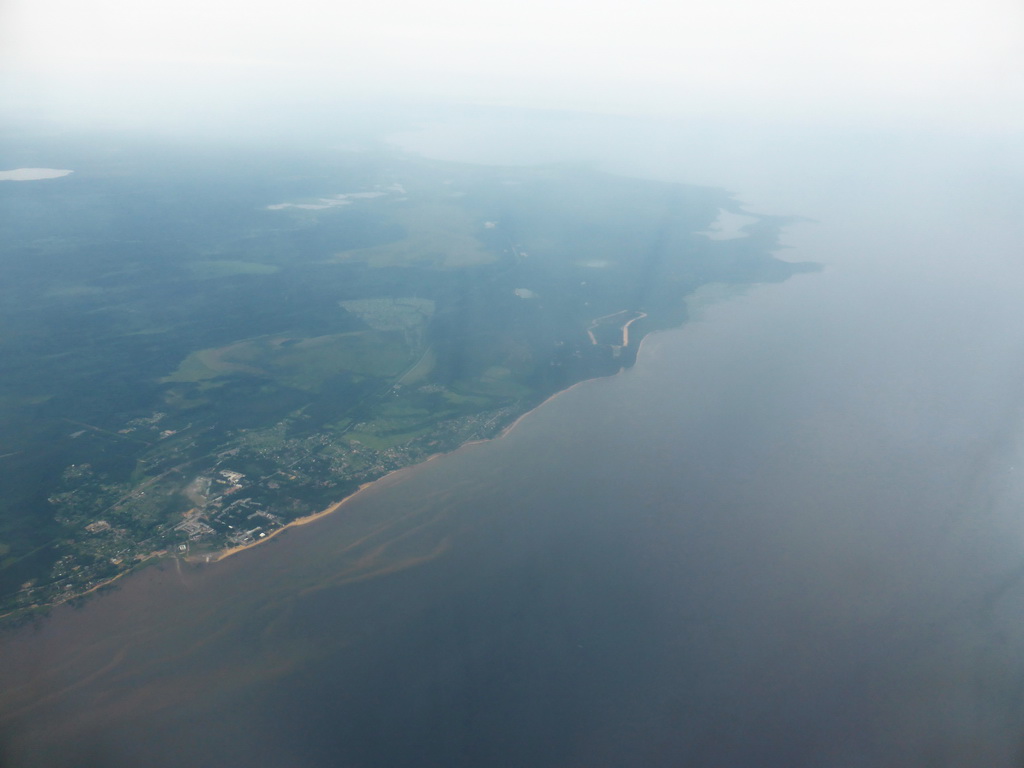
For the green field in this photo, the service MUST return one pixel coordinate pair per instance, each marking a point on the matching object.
(303, 363)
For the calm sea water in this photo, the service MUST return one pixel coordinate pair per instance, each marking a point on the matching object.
(791, 535)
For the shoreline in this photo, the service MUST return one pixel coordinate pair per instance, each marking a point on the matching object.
(223, 554)
(31, 609)
(217, 556)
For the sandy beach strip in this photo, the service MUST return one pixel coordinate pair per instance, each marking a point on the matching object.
(224, 553)
(625, 328)
(331, 509)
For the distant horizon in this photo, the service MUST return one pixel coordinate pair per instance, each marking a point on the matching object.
(881, 65)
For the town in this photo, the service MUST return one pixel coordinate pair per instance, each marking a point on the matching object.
(199, 509)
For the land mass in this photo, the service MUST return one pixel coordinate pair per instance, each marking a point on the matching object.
(199, 356)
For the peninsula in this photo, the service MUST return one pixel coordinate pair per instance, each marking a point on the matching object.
(194, 366)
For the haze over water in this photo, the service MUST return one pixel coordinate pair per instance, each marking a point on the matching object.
(790, 535)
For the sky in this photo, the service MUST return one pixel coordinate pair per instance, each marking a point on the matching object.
(924, 61)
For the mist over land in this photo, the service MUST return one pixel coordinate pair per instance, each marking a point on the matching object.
(790, 534)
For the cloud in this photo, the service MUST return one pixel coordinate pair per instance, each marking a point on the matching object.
(953, 59)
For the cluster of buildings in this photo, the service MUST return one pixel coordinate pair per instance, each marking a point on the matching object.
(241, 521)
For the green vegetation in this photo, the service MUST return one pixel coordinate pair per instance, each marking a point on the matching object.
(391, 314)
(198, 353)
(304, 363)
(440, 233)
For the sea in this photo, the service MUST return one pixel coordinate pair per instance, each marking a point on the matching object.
(791, 535)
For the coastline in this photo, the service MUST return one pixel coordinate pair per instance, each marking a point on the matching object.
(31, 609)
(216, 557)
(209, 558)
(219, 555)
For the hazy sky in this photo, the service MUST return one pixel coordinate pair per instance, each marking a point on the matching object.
(958, 61)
